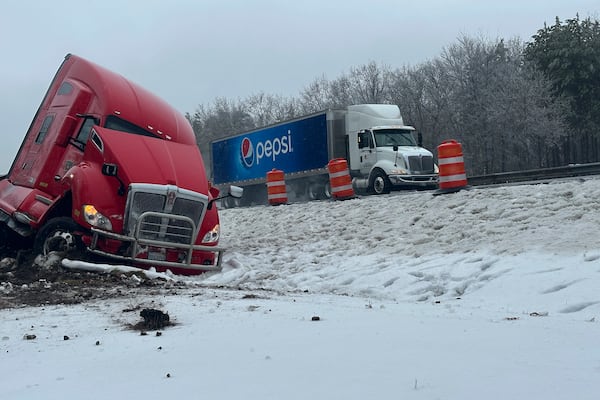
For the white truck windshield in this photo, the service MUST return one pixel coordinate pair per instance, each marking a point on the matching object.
(394, 137)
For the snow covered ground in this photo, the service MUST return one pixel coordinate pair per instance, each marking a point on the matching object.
(489, 293)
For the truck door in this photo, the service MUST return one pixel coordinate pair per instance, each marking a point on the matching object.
(46, 152)
(366, 151)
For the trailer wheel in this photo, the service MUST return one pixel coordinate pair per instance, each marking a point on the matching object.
(380, 183)
(231, 202)
(314, 191)
(327, 190)
(58, 235)
(319, 191)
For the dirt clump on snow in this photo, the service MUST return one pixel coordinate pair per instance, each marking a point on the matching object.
(27, 279)
(153, 319)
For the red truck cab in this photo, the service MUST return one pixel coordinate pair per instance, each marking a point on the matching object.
(109, 167)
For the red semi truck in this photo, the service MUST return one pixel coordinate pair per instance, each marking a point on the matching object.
(110, 168)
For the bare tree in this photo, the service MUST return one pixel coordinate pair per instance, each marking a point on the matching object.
(484, 95)
(369, 83)
(316, 96)
(222, 118)
(267, 109)
(480, 92)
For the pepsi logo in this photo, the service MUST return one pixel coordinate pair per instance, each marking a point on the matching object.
(247, 150)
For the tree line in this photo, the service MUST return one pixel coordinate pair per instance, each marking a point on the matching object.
(512, 105)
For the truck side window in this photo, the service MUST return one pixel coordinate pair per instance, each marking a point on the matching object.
(363, 140)
(84, 132)
(65, 88)
(44, 129)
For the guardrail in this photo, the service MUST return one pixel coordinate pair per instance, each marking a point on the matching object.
(535, 174)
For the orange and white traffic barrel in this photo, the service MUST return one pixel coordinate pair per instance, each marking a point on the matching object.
(339, 179)
(452, 176)
(276, 192)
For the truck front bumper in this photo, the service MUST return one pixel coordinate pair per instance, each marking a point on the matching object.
(413, 180)
(145, 251)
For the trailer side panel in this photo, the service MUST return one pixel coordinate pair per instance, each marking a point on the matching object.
(295, 146)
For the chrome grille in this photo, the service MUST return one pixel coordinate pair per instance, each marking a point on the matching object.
(164, 213)
(420, 164)
(172, 229)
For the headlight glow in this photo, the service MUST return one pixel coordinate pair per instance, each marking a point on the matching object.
(212, 236)
(95, 218)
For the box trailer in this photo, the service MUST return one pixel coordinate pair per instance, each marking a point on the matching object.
(381, 152)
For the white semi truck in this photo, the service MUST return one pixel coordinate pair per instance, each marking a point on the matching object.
(381, 152)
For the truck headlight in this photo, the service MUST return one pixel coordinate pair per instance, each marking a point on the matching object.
(212, 236)
(95, 218)
(398, 172)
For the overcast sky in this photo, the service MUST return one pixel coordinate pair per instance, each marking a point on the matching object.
(190, 52)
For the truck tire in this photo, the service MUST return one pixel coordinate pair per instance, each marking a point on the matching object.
(231, 202)
(327, 190)
(380, 183)
(319, 191)
(315, 191)
(59, 235)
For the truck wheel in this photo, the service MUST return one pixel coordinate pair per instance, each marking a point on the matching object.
(319, 191)
(380, 184)
(59, 235)
(327, 190)
(231, 202)
(314, 191)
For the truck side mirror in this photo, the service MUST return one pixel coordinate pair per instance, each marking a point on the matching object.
(420, 139)
(234, 191)
(109, 169)
(112, 170)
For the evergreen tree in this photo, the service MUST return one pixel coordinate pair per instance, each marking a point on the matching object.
(569, 55)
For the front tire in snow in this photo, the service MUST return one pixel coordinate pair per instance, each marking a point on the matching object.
(380, 183)
(58, 235)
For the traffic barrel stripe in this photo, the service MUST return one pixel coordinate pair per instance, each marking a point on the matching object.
(451, 165)
(276, 191)
(339, 179)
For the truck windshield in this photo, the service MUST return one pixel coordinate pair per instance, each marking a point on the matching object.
(394, 137)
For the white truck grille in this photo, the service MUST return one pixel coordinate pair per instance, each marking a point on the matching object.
(420, 164)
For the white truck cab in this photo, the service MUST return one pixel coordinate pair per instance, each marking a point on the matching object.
(383, 152)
